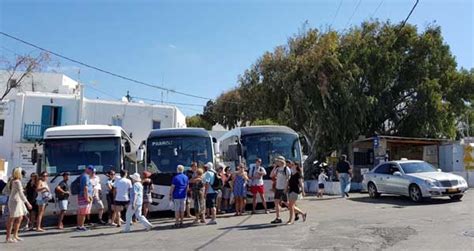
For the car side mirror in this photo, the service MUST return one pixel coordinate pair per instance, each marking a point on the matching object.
(397, 173)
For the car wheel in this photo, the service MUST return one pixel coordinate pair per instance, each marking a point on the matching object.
(456, 197)
(373, 193)
(415, 193)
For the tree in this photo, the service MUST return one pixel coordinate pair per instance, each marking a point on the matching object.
(199, 122)
(21, 68)
(332, 86)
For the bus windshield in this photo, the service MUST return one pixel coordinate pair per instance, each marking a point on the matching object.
(165, 154)
(268, 146)
(73, 155)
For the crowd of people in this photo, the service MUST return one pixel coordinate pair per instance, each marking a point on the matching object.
(212, 192)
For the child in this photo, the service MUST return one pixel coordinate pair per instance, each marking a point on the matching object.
(321, 180)
(198, 196)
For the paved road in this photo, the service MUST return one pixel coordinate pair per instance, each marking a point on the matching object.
(390, 223)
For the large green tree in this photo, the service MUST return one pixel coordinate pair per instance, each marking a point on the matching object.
(334, 86)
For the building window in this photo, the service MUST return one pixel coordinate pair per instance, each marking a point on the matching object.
(156, 124)
(117, 121)
(2, 126)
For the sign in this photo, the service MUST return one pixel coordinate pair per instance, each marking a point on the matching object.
(376, 142)
(469, 157)
(4, 108)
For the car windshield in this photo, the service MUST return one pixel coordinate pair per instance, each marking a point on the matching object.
(73, 155)
(165, 154)
(417, 167)
(268, 146)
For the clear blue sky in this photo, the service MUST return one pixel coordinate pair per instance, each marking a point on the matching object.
(198, 47)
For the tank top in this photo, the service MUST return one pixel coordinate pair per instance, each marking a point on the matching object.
(147, 187)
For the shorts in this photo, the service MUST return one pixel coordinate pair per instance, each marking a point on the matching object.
(211, 200)
(257, 189)
(179, 205)
(226, 192)
(147, 198)
(280, 195)
(98, 203)
(41, 202)
(321, 185)
(120, 205)
(62, 204)
(83, 206)
(293, 196)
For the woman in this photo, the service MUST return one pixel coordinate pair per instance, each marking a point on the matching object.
(226, 189)
(197, 185)
(239, 189)
(16, 206)
(31, 197)
(147, 188)
(44, 195)
(110, 195)
(295, 188)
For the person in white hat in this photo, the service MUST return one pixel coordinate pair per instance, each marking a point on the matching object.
(136, 202)
(281, 174)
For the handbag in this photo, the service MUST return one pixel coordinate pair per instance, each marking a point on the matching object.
(3, 200)
(47, 196)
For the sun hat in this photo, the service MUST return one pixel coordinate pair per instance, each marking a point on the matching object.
(135, 177)
(280, 159)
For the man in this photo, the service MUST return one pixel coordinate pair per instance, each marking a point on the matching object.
(97, 195)
(62, 194)
(344, 173)
(211, 194)
(256, 174)
(136, 203)
(179, 187)
(84, 199)
(281, 174)
(121, 196)
(110, 194)
(220, 173)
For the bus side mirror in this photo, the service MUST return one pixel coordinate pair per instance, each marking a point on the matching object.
(140, 154)
(34, 156)
(214, 140)
(127, 147)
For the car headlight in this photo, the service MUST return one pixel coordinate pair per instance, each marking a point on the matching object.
(432, 183)
(462, 182)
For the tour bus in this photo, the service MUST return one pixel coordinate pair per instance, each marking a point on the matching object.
(246, 144)
(168, 148)
(72, 148)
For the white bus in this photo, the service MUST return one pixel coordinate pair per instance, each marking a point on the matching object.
(168, 148)
(246, 144)
(73, 148)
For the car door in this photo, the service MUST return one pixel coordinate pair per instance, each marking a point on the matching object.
(380, 177)
(395, 184)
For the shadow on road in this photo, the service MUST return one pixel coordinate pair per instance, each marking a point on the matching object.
(400, 201)
(252, 227)
(323, 199)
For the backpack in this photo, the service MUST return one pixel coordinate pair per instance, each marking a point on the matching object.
(217, 184)
(76, 186)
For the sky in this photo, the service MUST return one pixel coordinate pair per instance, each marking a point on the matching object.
(197, 47)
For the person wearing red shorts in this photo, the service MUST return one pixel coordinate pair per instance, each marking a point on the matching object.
(256, 174)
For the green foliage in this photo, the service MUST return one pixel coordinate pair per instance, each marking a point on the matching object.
(198, 121)
(332, 87)
(262, 122)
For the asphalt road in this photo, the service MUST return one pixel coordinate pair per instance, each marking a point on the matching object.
(358, 223)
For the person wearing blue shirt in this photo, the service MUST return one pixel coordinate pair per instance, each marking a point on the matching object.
(211, 194)
(84, 199)
(178, 191)
(136, 203)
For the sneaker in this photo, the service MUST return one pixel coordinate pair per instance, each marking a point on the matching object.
(276, 221)
(267, 212)
(297, 217)
(347, 195)
(82, 229)
(148, 229)
(212, 222)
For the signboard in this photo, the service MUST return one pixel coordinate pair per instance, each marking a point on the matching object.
(4, 108)
(469, 157)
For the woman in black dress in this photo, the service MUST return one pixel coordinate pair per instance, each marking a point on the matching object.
(31, 195)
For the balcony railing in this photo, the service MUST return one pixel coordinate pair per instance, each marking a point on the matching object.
(34, 131)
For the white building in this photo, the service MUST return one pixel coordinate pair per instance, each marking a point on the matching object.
(49, 99)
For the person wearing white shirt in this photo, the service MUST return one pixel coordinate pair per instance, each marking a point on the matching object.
(122, 188)
(256, 174)
(321, 180)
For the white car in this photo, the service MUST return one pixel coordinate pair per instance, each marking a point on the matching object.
(417, 179)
